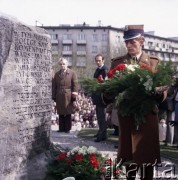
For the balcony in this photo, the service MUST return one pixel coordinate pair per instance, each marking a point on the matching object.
(81, 41)
(54, 41)
(146, 47)
(81, 53)
(157, 48)
(163, 49)
(66, 52)
(166, 59)
(152, 47)
(175, 50)
(67, 41)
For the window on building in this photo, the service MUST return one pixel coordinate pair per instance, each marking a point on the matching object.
(81, 36)
(81, 61)
(94, 49)
(67, 48)
(95, 37)
(150, 44)
(81, 48)
(104, 37)
(162, 55)
(54, 36)
(67, 36)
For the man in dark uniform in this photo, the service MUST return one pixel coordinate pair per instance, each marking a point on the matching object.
(97, 100)
(138, 146)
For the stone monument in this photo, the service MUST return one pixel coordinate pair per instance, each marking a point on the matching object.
(25, 98)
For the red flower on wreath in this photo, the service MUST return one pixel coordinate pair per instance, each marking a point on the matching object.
(145, 66)
(100, 79)
(61, 156)
(112, 72)
(120, 67)
(94, 162)
(79, 157)
(109, 161)
(118, 171)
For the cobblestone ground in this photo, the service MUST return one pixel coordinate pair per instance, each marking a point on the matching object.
(168, 170)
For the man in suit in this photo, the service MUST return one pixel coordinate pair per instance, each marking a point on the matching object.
(101, 71)
(138, 146)
(64, 93)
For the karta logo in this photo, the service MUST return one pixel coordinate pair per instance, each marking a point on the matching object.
(114, 170)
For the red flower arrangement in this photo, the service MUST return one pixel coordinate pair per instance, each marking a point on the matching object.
(82, 163)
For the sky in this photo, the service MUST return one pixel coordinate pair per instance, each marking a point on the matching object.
(156, 15)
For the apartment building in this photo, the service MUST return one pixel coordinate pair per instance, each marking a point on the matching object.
(81, 42)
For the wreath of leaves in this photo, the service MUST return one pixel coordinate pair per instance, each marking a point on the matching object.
(133, 91)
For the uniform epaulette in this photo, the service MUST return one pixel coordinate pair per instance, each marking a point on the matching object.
(117, 58)
(154, 57)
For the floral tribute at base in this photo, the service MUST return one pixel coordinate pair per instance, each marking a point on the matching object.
(82, 163)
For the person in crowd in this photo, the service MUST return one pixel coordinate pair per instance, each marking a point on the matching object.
(64, 93)
(174, 122)
(101, 71)
(138, 146)
(170, 113)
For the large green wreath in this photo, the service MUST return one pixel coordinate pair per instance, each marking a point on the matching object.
(135, 88)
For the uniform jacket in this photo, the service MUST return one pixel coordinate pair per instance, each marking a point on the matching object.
(142, 145)
(62, 88)
(97, 98)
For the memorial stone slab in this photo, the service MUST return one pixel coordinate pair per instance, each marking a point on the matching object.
(25, 95)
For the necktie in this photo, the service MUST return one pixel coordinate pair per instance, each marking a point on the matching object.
(62, 74)
(135, 59)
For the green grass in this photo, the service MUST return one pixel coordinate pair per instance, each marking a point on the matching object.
(166, 151)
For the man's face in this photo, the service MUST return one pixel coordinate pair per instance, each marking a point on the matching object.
(99, 61)
(134, 46)
(63, 65)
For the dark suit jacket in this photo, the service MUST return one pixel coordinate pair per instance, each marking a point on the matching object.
(96, 98)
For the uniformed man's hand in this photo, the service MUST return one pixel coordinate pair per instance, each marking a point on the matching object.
(161, 89)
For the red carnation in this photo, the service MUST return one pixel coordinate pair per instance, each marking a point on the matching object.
(118, 171)
(94, 162)
(79, 157)
(120, 67)
(61, 156)
(145, 66)
(109, 161)
(111, 73)
(92, 156)
(100, 78)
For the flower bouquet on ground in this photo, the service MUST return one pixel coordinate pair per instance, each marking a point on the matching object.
(82, 163)
(134, 87)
